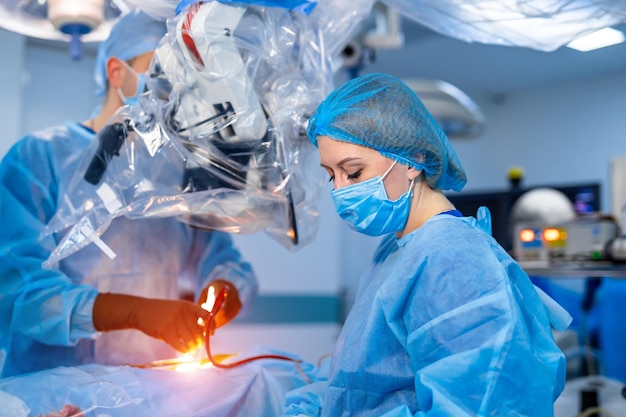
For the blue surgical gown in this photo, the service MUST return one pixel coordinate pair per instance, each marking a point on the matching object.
(46, 314)
(446, 323)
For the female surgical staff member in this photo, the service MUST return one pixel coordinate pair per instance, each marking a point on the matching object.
(445, 323)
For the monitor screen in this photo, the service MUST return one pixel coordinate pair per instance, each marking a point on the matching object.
(584, 197)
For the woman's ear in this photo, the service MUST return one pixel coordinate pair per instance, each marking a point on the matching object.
(413, 173)
(115, 72)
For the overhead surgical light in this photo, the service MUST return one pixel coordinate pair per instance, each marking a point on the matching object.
(72, 21)
(598, 39)
(457, 114)
(76, 18)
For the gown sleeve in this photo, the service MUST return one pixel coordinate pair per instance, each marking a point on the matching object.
(43, 304)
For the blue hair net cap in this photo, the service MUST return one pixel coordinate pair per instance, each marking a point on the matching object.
(383, 113)
(134, 34)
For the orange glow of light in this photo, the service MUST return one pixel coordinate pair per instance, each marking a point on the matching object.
(527, 235)
(183, 363)
(208, 304)
(192, 366)
(187, 363)
(552, 234)
(210, 299)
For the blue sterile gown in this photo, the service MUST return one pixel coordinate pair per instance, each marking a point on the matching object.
(446, 323)
(46, 314)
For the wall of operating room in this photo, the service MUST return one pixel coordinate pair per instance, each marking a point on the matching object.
(561, 133)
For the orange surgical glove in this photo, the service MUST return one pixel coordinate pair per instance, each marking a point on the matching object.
(173, 321)
(231, 305)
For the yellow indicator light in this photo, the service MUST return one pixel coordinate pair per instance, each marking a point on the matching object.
(527, 235)
(552, 235)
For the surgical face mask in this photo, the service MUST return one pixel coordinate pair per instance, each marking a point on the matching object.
(367, 209)
(141, 87)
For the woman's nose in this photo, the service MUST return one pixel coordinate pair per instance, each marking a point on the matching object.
(339, 183)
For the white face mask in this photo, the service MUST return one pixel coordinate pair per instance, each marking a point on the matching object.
(141, 87)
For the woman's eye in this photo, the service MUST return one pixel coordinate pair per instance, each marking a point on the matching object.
(331, 178)
(355, 175)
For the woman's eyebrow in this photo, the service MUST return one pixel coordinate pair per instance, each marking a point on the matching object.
(347, 159)
(343, 161)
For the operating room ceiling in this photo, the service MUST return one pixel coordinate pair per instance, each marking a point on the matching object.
(493, 69)
(477, 67)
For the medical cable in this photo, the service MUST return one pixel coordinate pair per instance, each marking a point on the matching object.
(218, 363)
(210, 328)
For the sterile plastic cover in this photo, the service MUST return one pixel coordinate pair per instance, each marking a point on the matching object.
(218, 140)
(277, 63)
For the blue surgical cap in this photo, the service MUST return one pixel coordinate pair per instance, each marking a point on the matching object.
(383, 113)
(134, 34)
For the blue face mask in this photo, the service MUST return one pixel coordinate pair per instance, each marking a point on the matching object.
(367, 209)
(141, 88)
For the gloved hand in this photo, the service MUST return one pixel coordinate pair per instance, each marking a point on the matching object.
(231, 305)
(173, 321)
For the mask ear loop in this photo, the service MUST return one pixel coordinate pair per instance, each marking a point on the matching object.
(141, 83)
(121, 95)
(411, 186)
(420, 178)
(382, 178)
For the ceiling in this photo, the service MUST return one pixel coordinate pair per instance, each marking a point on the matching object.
(473, 67)
(493, 69)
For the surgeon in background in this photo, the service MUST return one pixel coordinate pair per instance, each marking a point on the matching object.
(445, 323)
(90, 308)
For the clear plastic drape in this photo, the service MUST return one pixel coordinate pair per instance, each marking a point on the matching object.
(218, 139)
